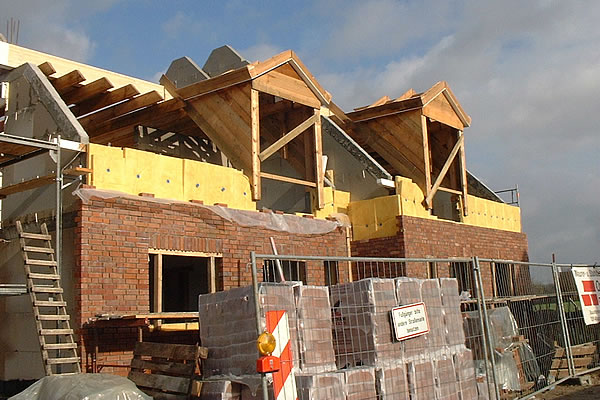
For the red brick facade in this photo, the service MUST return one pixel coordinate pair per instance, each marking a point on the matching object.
(112, 269)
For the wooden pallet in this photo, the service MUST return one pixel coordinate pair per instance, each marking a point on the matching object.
(583, 356)
(57, 345)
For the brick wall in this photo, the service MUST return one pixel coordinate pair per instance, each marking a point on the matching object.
(426, 238)
(112, 271)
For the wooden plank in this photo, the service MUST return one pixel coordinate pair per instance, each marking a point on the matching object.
(51, 332)
(558, 363)
(168, 367)
(207, 86)
(44, 303)
(35, 236)
(158, 278)
(288, 137)
(463, 176)
(426, 159)
(41, 263)
(27, 185)
(183, 352)
(87, 91)
(77, 171)
(392, 108)
(116, 110)
(448, 190)
(34, 249)
(47, 68)
(288, 179)
(438, 181)
(319, 170)
(104, 100)
(161, 382)
(283, 86)
(255, 128)
(64, 83)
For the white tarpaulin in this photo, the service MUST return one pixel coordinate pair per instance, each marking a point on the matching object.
(587, 280)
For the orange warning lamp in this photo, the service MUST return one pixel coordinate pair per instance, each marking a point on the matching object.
(266, 344)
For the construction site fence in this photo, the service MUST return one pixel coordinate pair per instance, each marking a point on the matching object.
(499, 329)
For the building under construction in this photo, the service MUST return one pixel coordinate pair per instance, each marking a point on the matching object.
(153, 194)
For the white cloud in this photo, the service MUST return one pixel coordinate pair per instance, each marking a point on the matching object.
(529, 79)
(260, 52)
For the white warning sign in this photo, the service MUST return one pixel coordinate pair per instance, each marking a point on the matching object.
(410, 321)
(587, 280)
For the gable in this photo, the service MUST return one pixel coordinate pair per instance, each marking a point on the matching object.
(285, 82)
(441, 110)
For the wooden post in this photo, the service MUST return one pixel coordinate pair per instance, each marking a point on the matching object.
(255, 117)
(319, 173)
(463, 173)
(157, 289)
(212, 275)
(426, 159)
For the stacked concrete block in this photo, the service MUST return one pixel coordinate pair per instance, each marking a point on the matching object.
(360, 383)
(228, 326)
(315, 341)
(421, 380)
(465, 371)
(362, 324)
(324, 386)
(455, 334)
(446, 380)
(408, 291)
(431, 296)
(220, 390)
(391, 382)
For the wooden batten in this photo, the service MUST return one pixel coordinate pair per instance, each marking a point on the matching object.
(288, 179)
(65, 83)
(463, 174)
(426, 158)
(116, 110)
(87, 91)
(105, 99)
(319, 170)
(255, 133)
(288, 137)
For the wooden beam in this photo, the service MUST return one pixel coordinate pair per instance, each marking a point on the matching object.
(288, 137)
(104, 100)
(438, 181)
(64, 83)
(207, 86)
(87, 91)
(425, 138)
(158, 277)
(463, 174)
(212, 273)
(77, 171)
(27, 185)
(47, 68)
(103, 116)
(448, 190)
(286, 87)
(287, 179)
(255, 127)
(319, 172)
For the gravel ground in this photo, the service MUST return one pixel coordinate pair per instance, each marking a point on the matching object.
(574, 391)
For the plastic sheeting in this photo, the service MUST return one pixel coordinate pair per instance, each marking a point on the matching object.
(82, 387)
(269, 220)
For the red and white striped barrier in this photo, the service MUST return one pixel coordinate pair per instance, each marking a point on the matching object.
(284, 382)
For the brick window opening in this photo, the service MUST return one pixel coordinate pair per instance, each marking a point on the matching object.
(177, 280)
(292, 271)
(331, 273)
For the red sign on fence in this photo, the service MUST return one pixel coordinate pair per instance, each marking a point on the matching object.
(587, 280)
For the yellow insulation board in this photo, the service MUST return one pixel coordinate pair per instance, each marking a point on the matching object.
(491, 214)
(336, 201)
(134, 171)
(374, 218)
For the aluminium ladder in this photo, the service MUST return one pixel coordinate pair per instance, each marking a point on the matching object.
(59, 350)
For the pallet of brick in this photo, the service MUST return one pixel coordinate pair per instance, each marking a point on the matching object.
(431, 296)
(446, 379)
(220, 390)
(227, 326)
(455, 334)
(465, 372)
(362, 331)
(421, 380)
(391, 382)
(315, 340)
(360, 383)
(408, 291)
(323, 386)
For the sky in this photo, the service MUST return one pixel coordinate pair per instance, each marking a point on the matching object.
(527, 72)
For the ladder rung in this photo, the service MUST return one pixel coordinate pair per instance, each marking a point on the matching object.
(34, 249)
(60, 346)
(50, 277)
(43, 303)
(44, 263)
(51, 332)
(38, 236)
(51, 317)
(66, 360)
(46, 289)
(66, 373)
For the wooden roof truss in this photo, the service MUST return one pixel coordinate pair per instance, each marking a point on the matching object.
(258, 110)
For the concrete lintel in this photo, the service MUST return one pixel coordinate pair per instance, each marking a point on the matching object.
(66, 122)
